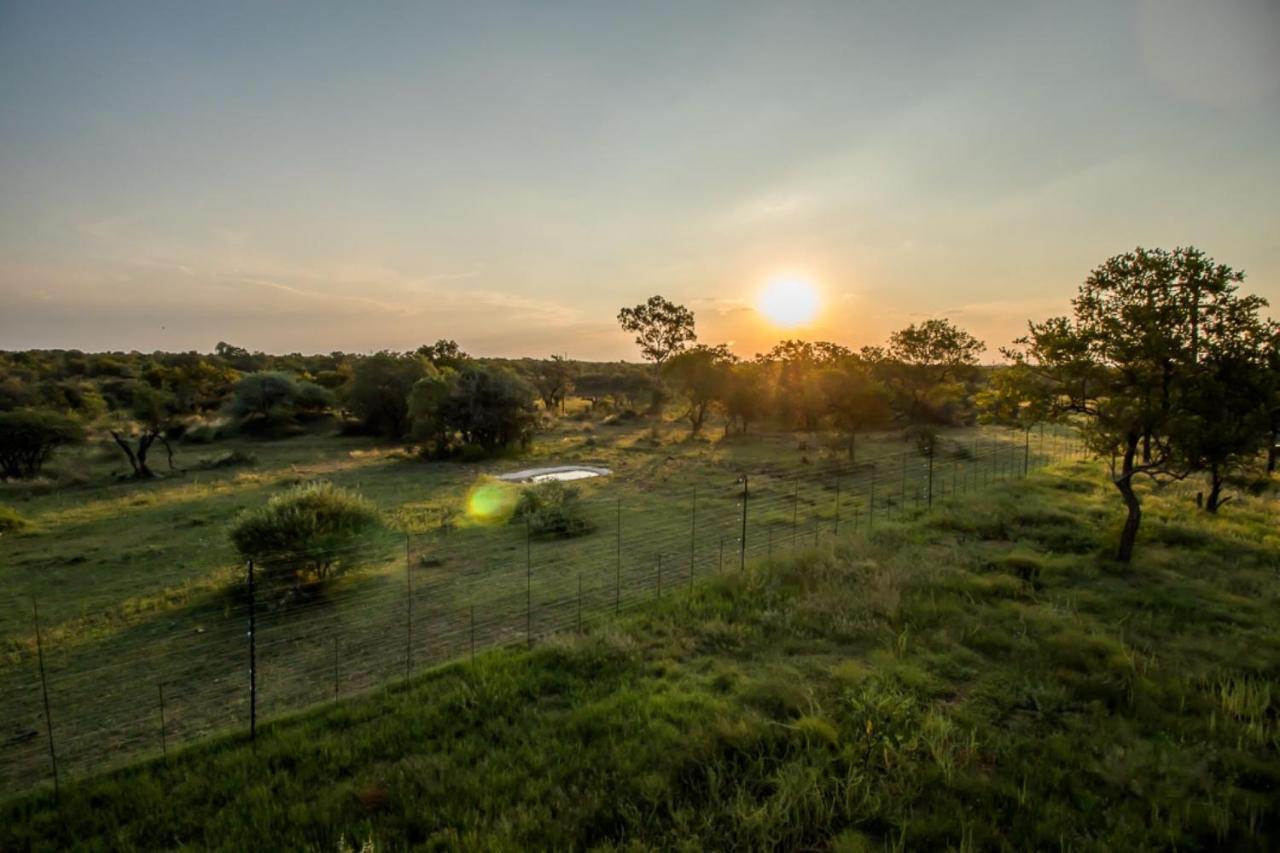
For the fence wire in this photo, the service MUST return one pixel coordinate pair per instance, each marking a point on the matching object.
(148, 685)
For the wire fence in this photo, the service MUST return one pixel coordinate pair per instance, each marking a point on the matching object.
(228, 661)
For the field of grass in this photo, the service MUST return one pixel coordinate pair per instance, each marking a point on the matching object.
(977, 677)
(139, 591)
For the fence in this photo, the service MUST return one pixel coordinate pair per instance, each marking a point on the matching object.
(138, 689)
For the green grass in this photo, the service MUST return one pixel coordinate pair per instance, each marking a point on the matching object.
(138, 587)
(978, 677)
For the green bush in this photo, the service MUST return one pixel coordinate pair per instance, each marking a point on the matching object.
(11, 521)
(28, 438)
(553, 511)
(305, 535)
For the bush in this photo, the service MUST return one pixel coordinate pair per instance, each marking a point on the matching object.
(28, 438)
(11, 521)
(553, 510)
(230, 459)
(303, 536)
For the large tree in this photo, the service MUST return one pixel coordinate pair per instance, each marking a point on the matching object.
(553, 378)
(926, 358)
(662, 328)
(700, 375)
(151, 414)
(378, 392)
(856, 400)
(1128, 364)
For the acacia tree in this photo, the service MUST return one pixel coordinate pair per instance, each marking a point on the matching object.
(378, 392)
(662, 328)
(152, 413)
(700, 375)
(922, 357)
(553, 379)
(1128, 362)
(856, 400)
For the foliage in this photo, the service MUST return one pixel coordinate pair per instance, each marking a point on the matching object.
(378, 392)
(11, 521)
(304, 535)
(443, 353)
(28, 437)
(791, 707)
(662, 328)
(700, 375)
(264, 394)
(553, 379)
(152, 412)
(856, 399)
(552, 510)
(1132, 363)
(489, 408)
(925, 359)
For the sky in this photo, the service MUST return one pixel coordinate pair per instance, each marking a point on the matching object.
(314, 177)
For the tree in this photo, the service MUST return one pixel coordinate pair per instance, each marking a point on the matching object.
(152, 412)
(553, 378)
(1228, 397)
(795, 365)
(662, 328)
(747, 396)
(1128, 363)
(302, 536)
(443, 353)
(489, 408)
(264, 395)
(856, 400)
(378, 393)
(925, 357)
(1273, 398)
(700, 375)
(28, 437)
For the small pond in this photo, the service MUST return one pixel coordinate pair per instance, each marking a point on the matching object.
(555, 472)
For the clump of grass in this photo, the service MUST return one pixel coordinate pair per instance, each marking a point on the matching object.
(11, 521)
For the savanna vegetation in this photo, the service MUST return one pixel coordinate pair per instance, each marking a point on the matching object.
(981, 677)
(1030, 658)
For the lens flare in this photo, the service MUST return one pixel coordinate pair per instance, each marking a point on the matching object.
(491, 503)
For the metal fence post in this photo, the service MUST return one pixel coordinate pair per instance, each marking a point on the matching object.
(871, 502)
(837, 525)
(253, 662)
(617, 589)
(528, 583)
(693, 536)
(164, 746)
(408, 622)
(44, 691)
(930, 493)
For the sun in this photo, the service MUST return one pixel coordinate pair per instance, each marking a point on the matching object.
(789, 302)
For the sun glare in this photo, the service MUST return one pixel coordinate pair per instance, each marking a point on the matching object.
(789, 302)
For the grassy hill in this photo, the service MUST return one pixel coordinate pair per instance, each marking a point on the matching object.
(980, 677)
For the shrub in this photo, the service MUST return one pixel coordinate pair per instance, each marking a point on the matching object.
(303, 536)
(553, 510)
(28, 438)
(11, 521)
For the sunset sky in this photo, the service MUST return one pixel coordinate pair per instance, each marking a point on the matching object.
(367, 176)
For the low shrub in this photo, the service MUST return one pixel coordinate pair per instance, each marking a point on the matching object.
(552, 511)
(11, 521)
(304, 535)
(230, 459)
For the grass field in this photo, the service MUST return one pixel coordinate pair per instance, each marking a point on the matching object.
(139, 590)
(977, 677)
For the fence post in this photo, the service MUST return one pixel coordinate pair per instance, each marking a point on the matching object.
(930, 494)
(253, 662)
(164, 746)
(528, 583)
(408, 622)
(1026, 451)
(871, 502)
(902, 490)
(617, 589)
(795, 513)
(44, 691)
(693, 536)
(742, 545)
(837, 526)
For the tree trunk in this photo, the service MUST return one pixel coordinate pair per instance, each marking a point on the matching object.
(1129, 533)
(1215, 490)
(137, 458)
